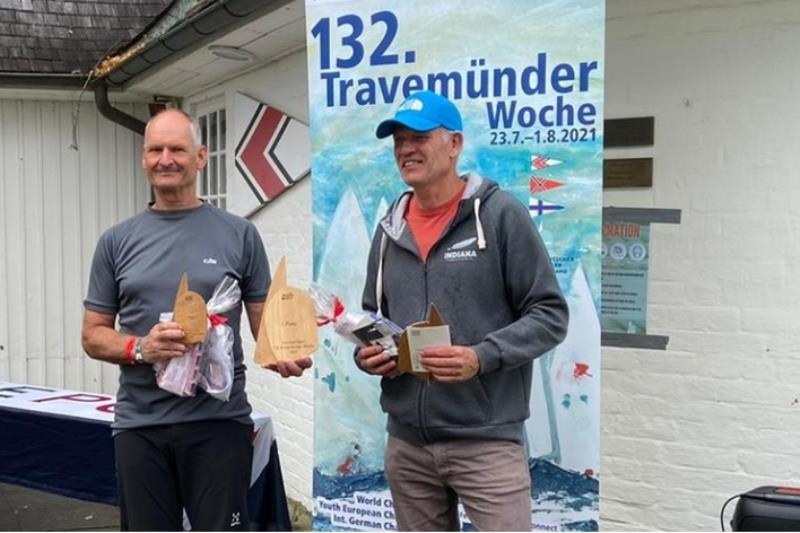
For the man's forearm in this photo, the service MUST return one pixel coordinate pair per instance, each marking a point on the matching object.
(106, 344)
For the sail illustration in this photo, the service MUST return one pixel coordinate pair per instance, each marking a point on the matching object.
(349, 412)
(569, 381)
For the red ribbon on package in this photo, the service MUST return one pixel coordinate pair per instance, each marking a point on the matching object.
(216, 320)
(338, 309)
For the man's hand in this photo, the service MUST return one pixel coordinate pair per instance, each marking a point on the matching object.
(163, 342)
(291, 368)
(376, 360)
(450, 364)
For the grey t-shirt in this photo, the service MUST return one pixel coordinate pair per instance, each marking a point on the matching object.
(135, 273)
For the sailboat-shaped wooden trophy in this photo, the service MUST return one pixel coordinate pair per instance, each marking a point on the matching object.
(190, 312)
(288, 328)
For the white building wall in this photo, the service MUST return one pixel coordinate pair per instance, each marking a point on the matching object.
(717, 412)
(54, 203)
(285, 225)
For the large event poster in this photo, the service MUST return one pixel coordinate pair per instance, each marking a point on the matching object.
(527, 76)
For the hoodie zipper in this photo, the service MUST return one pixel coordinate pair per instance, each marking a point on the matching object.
(423, 390)
(423, 387)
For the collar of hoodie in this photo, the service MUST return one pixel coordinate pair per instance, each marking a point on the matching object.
(394, 223)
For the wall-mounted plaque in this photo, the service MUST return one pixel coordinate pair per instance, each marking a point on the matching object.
(620, 132)
(635, 172)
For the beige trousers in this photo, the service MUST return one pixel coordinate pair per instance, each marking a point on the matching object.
(490, 477)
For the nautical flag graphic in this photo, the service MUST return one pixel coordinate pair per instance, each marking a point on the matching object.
(544, 184)
(539, 162)
(538, 207)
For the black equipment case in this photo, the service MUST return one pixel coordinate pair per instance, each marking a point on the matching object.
(768, 509)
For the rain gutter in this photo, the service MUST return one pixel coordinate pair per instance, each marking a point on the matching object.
(208, 21)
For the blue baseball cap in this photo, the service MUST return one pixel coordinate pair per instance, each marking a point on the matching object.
(422, 111)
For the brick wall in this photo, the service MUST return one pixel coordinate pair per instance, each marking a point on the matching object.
(285, 227)
(715, 414)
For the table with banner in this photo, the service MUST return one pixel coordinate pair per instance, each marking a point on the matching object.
(59, 441)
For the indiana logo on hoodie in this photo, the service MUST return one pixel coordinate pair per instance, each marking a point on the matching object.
(458, 252)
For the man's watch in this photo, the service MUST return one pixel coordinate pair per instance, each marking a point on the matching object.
(138, 358)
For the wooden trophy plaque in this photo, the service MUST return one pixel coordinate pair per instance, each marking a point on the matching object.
(190, 312)
(288, 328)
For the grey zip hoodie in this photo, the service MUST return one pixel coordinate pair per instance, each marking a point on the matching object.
(491, 278)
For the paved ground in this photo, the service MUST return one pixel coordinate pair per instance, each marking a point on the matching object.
(24, 509)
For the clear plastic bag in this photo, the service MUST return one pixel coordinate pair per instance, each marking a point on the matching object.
(330, 310)
(362, 329)
(179, 375)
(208, 365)
(216, 367)
(226, 295)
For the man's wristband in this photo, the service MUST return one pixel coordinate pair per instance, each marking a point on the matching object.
(130, 348)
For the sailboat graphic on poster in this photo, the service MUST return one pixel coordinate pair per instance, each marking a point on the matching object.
(340, 387)
(569, 374)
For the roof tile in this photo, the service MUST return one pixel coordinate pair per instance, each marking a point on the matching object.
(54, 36)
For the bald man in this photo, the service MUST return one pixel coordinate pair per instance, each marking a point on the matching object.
(175, 452)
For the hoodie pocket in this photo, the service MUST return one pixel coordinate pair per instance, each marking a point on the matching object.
(457, 405)
(399, 398)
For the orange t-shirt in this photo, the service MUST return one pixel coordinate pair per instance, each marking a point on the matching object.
(427, 225)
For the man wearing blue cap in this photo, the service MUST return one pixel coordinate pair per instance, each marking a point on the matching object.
(463, 244)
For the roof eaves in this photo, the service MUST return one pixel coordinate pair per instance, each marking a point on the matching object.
(204, 22)
(25, 80)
